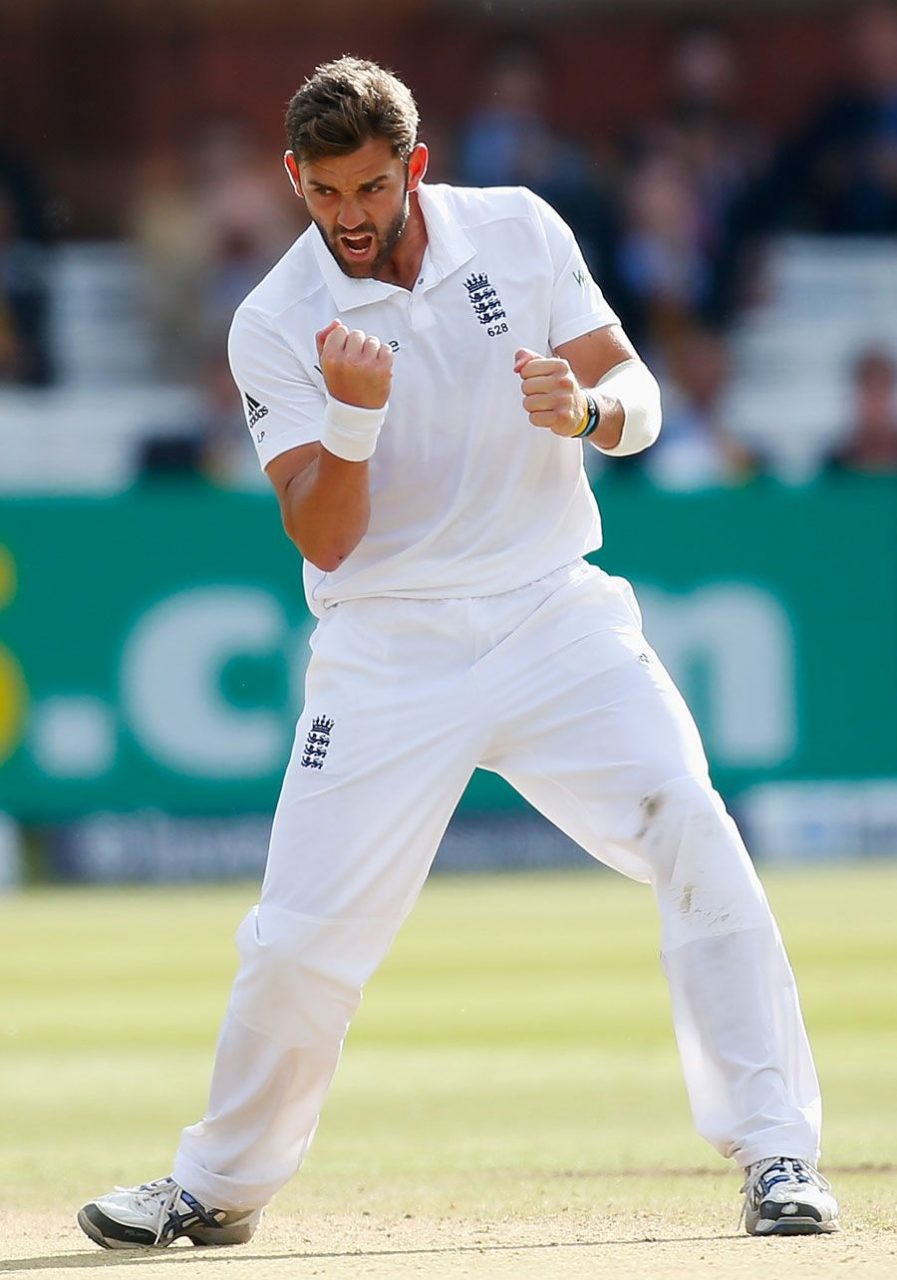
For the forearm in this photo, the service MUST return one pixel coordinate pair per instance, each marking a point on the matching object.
(326, 505)
(612, 416)
(326, 509)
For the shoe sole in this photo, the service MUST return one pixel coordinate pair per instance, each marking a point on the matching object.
(780, 1223)
(95, 1231)
(795, 1227)
(793, 1217)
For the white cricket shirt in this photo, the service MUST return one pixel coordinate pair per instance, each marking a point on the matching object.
(467, 497)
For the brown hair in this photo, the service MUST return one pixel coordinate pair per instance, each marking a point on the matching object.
(345, 103)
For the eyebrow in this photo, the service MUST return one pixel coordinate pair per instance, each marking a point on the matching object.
(369, 182)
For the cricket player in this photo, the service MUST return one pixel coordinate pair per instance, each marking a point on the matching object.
(420, 373)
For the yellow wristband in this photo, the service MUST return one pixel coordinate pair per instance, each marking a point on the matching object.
(590, 419)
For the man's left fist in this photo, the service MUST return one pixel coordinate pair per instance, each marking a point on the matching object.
(551, 395)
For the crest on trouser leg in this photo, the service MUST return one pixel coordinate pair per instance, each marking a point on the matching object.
(316, 743)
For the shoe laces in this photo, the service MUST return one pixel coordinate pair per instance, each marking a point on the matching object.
(158, 1198)
(762, 1176)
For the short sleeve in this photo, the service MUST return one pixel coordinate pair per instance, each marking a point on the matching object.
(282, 405)
(577, 304)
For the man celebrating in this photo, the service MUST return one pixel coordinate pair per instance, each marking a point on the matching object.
(419, 372)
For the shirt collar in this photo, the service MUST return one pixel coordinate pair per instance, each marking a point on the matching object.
(449, 244)
(449, 248)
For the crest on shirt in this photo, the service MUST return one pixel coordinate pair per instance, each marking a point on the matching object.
(316, 743)
(486, 303)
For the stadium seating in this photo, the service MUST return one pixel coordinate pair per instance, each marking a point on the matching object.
(824, 301)
(82, 435)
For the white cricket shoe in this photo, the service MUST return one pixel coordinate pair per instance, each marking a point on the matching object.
(151, 1216)
(787, 1197)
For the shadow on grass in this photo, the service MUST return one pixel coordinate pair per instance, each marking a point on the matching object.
(180, 1254)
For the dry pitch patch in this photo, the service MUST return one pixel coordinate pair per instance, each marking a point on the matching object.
(569, 1246)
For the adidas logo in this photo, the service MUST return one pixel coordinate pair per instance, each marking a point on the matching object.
(256, 411)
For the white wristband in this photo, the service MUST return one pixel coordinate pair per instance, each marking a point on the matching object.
(351, 432)
(634, 385)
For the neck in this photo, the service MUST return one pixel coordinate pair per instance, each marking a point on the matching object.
(403, 264)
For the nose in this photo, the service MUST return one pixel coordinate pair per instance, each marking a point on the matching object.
(351, 214)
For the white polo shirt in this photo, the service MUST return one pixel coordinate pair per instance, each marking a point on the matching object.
(467, 497)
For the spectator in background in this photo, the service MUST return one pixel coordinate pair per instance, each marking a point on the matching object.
(722, 152)
(209, 220)
(215, 444)
(23, 190)
(509, 141)
(871, 446)
(249, 214)
(840, 175)
(170, 234)
(691, 171)
(24, 311)
(696, 450)
(661, 268)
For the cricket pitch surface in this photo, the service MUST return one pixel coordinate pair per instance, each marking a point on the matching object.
(575, 1246)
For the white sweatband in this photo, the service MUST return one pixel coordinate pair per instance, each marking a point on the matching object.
(634, 385)
(350, 431)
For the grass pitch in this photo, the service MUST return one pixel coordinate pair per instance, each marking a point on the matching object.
(509, 1102)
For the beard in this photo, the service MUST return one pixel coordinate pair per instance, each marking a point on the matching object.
(385, 243)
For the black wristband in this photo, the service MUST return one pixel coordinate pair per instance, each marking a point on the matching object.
(594, 417)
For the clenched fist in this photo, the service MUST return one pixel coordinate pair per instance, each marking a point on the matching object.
(551, 395)
(357, 369)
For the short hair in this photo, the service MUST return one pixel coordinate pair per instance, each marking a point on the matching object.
(347, 102)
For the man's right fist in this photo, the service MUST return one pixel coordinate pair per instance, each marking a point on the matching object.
(357, 369)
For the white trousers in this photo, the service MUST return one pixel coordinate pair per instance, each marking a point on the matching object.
(554, 687)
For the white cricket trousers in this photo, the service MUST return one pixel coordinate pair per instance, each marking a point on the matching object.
(554, 687)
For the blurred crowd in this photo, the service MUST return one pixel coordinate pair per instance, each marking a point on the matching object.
(673, 219)
(24, 274)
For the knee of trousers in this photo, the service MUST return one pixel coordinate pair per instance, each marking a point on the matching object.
(300, 977)
(702, 875)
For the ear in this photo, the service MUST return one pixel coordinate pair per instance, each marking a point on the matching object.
(292, 168)
(417, 165)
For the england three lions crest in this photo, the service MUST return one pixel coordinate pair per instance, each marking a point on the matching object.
(317, 742)
(486, 304)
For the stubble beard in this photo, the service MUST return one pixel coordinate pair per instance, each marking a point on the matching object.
(387, 243)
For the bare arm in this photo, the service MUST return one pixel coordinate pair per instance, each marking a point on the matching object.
(325, 498)
(324, 502)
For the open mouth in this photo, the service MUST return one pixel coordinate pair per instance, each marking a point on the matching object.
(357, 246)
